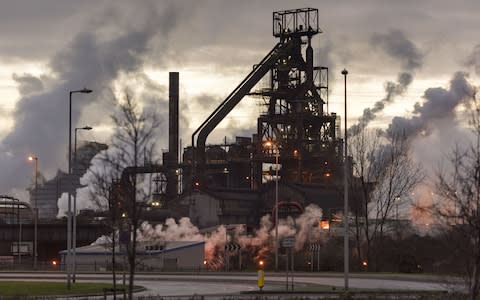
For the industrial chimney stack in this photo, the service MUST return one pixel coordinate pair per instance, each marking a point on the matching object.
(171, 161)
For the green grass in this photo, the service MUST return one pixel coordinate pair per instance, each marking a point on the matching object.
(44, 288)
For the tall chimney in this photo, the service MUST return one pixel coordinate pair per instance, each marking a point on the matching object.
(172, 160)
(173, 117)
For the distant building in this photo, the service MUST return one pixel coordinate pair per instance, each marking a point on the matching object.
(49, 192)
(170, 255)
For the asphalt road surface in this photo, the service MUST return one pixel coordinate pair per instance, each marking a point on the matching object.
(181, 284)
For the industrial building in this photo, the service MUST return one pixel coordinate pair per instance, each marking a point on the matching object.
(165, 256)
(294, 158)
(297, 144)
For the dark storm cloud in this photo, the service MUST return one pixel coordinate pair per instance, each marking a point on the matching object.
(35, 29)
(439, 104)
(90, 60)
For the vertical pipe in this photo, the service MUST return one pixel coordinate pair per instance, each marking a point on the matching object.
(309, 58)
(276, 205)
(172, 179)
(345, 189)
(173, 116)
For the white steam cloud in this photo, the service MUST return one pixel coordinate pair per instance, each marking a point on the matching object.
(304, 228)
(91, 59)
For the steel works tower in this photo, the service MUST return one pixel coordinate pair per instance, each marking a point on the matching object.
(294, 133)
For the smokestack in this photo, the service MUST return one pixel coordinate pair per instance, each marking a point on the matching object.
(173, 117)
(172, 161)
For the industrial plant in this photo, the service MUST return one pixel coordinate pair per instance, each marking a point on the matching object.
(294, 158)
(296, 152)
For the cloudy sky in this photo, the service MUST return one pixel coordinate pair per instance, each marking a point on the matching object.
(403, 59)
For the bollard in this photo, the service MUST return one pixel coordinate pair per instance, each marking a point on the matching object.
(260, 279)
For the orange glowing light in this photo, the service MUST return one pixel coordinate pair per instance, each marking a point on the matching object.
(364, 263)
(205, 262)
(54, 262)
(260, 263)
(324, 224)
(328, 174)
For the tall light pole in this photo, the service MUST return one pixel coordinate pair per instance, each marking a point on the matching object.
(35, 213)
(69, 210)
(345, 190)
(275, 147)
(74, 243)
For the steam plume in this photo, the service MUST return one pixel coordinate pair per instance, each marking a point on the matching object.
(258, 244)
(396, 44)
(439, 103)
(92, 59)
(474, 59)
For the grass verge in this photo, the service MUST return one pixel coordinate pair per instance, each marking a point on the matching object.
(44, 288)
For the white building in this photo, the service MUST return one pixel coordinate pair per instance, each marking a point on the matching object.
(172, 255)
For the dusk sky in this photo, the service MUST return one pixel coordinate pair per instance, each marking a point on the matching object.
(49, 47)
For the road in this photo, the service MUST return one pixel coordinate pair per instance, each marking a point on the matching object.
(181, 284)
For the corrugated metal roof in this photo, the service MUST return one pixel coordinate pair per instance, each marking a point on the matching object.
(104, 249)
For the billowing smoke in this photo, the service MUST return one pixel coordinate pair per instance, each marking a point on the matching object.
(439, 103)
(474, 59)
(28, 84)
(92, 59)
(396, 44)
(304, 228)
(184, 230)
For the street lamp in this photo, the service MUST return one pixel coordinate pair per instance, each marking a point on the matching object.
(74, 246)
(270, 144)
(69, 211)
(35, 213)
(345, 190)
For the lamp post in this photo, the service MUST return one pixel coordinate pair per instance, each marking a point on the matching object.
(345, 190)
(275, 146)
(35, 214)
(74, 242)
(69, 210)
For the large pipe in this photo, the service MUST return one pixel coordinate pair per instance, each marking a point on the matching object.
(172, 160)
(173, 117)
(309, 60)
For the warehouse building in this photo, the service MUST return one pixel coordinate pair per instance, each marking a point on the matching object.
(165, 256)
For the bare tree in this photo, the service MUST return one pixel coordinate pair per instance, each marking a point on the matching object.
(458, 207)
(384, 173)
(132, 144)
